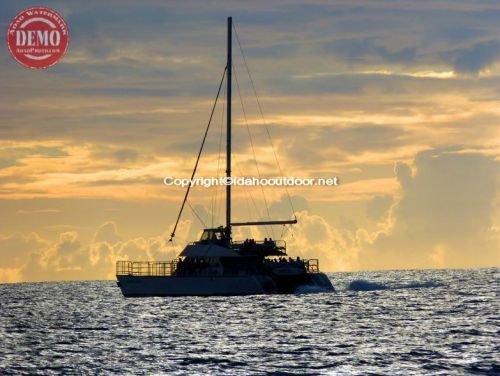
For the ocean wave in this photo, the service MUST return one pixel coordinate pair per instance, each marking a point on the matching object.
(363, 285)
(419, 285)
(310, 289)
(46, 330)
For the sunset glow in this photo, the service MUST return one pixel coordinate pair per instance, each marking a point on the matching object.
(399, 100)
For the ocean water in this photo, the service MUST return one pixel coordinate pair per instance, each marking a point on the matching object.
(443, 322)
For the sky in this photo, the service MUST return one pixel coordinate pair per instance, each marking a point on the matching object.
(398, 99)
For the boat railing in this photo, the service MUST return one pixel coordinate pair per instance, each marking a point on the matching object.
(312, 265)
(168, 268)
(146, 268)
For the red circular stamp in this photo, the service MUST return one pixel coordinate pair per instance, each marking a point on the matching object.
(37, 37)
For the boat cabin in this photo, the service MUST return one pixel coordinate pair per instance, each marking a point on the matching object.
(248, 247)
(213, 236)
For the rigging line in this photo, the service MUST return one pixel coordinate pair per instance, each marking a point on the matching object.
(199, 155)
(285, 230)
(263, 118)
(173, 243)
(196, 214)
(249, 194)
(253, 149)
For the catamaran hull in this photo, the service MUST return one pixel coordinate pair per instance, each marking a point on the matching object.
(189, 286)
(137, 286)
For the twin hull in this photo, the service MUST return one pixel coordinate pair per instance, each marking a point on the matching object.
(134, 286)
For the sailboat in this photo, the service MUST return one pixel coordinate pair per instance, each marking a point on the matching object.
(217, 265)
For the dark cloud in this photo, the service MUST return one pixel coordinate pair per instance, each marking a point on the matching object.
(120, 156)
(403, 174)
(125, 155)
(11, 156)
(366, 137)
(369, 49)
(476, 58)
(457, 34)
(123, 66)
(118, 182)
(312, 144)
(8, 162)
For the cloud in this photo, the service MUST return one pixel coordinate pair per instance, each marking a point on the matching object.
(403, 174)
(444, 217)
(107, 233)
(327, 146)
(347, 89)
(33, 258)
(283, 207)
(359, 50)
(378, 206)
(118, 155)
(16, 247)
(476, 58)
(314, 237)
(38, 211)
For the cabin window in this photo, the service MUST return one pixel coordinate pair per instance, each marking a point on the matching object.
(212, 235)
(207, 235)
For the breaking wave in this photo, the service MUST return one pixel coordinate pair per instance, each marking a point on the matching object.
(419, 285)
(363, 285)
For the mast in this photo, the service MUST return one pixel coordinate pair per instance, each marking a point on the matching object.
(228, 132)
